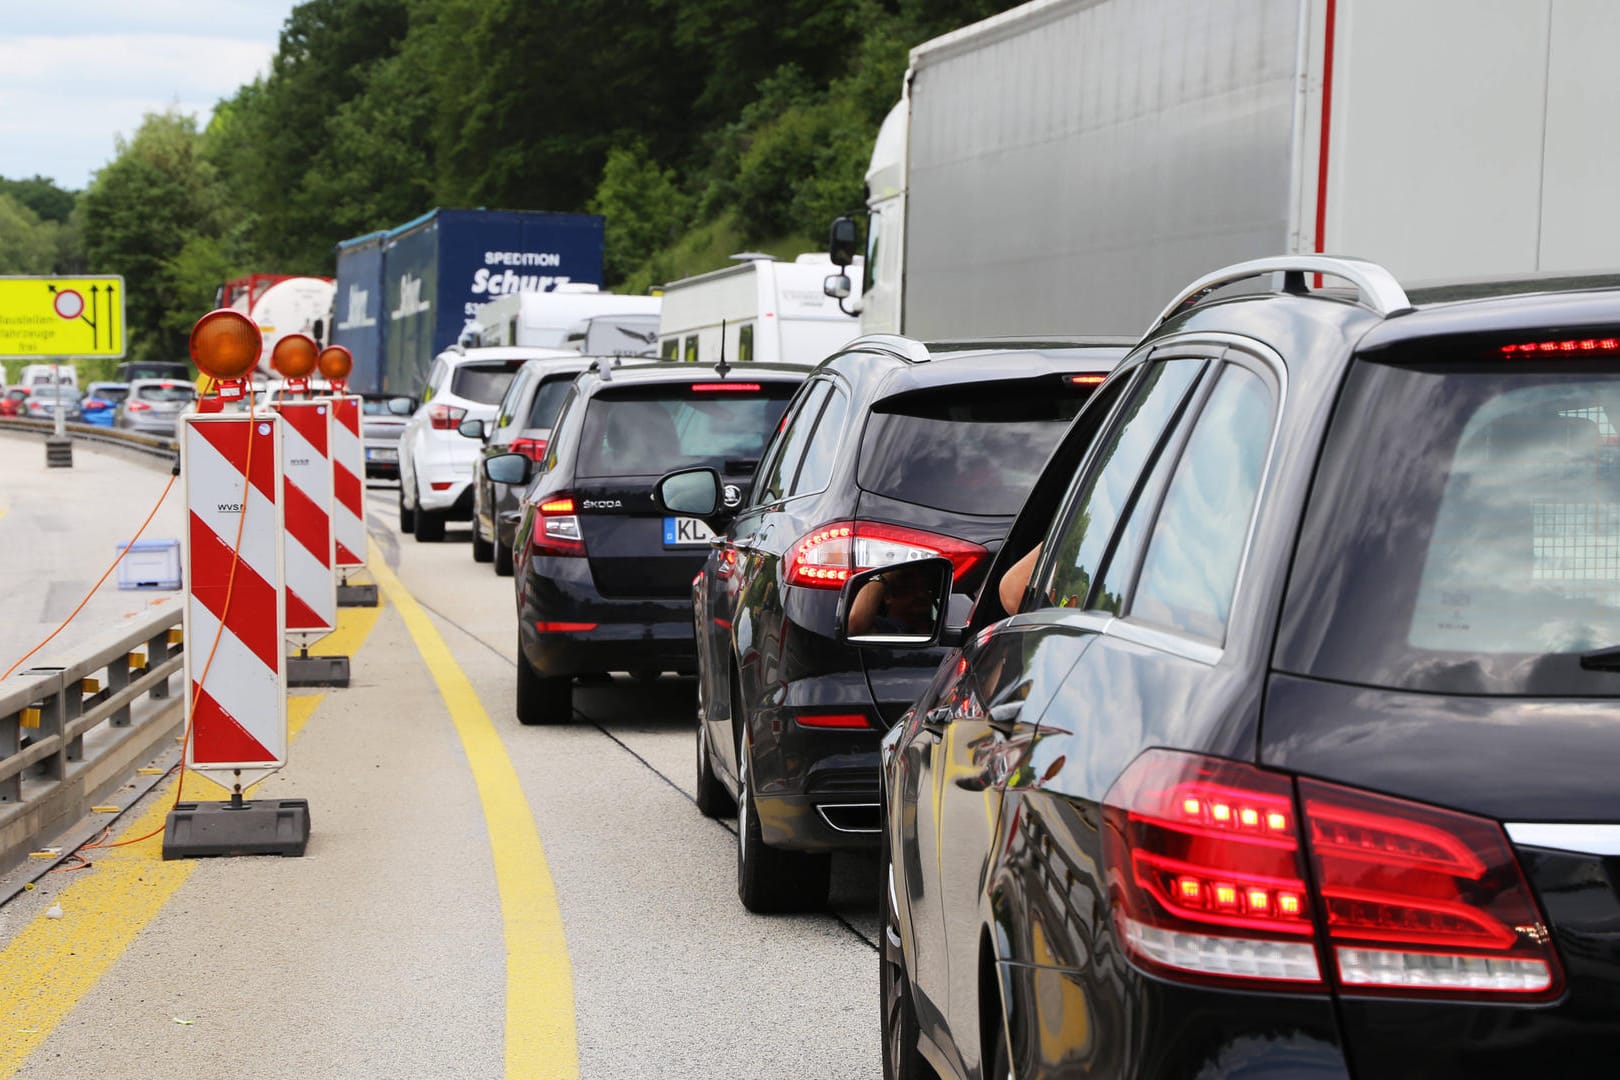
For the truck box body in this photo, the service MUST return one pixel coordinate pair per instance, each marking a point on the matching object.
(1063, 166)
(773, 312)
(555, 319)
(437, 270)
(357, 309)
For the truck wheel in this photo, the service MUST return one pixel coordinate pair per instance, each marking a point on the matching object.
(542, 699)
(770, 880)
(407, 516)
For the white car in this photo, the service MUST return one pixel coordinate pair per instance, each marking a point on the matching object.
(435, 460)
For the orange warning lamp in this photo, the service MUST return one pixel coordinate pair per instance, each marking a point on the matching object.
(294, 357)
(226, 345)
(336, 362)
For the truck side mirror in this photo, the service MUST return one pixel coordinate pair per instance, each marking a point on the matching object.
(843, 242)
(837, 286)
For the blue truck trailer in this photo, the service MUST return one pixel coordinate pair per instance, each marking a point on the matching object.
(404, 295)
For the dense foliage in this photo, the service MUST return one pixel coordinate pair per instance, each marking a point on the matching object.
(697, 127)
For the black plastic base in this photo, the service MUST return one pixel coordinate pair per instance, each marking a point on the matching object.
(357, 595)
(317, 671)
(255, 827)
(58, 452)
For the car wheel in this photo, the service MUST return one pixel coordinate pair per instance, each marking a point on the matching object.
(771, 880)
(713, 800)
(482, 550)
(901, 1058)
(542, 699)
(429, 523)
(407, 516)
(503, 556)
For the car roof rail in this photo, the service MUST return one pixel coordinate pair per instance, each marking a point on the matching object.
(1379, 292)
(907, 348)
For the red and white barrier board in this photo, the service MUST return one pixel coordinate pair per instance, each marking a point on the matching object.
(306, 457)
(237, 701)
(348, 481)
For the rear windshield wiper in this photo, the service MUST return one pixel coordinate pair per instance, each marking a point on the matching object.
(746, 466)
(1602, 659)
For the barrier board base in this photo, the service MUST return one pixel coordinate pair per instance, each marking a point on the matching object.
(58, 453)
(357, 595)
(306, 670)
(251, 827)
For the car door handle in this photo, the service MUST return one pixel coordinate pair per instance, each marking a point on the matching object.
(1003, 717)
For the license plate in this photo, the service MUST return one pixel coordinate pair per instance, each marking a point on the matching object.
(686, 532)
(377, 453)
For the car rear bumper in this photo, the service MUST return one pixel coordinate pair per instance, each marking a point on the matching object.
(567, 628)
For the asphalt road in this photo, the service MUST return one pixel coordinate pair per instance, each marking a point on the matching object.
(387, 949)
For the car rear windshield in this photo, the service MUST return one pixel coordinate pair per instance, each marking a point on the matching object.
(484, 381)
(175, 392)
(548, 401)
(1463, 532)
(114, 394)
(649, 430)
(974, 448)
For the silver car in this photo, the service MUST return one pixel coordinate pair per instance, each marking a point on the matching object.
(382, 421)
(42, 401)
(153, 406)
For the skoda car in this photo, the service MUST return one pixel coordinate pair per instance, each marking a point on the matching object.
(604, 577)
(1296, 755)
(895, 451)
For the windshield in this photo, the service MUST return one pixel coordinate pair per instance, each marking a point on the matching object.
(166, 392)
(55, 392)
(974, 448)
(1463, 534)
(649, 430)
(484, 383)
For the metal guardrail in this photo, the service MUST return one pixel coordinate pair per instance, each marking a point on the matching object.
(73, 732)
(153, 445)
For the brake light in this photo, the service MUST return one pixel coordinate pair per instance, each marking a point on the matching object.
(445, 417)
(832, 721)
(556, 528)
(724, 387)
(1564, 346)
(828, 556)
(1086, 380)
(1207, 881)
(533, 449)
(137, 406)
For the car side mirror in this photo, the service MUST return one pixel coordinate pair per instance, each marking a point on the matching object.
(693, 492)
(843, 241)
(472, 429)
(508, 468)
(837, 286)
(401, 406)
(904, 605)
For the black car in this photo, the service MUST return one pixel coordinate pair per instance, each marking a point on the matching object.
(1298, 756)
(603, 575)
(894, 451)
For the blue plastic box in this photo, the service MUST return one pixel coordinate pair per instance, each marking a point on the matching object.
(150, 564)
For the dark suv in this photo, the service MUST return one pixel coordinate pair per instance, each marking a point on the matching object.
(603, 575)
(894, 451)
(1298, 756)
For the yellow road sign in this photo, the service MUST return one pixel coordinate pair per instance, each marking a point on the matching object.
(61, 316)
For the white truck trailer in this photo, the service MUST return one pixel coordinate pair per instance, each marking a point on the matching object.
(769, 311)
(1066, 165)
(549, 319)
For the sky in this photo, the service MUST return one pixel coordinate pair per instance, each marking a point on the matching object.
(77, 74)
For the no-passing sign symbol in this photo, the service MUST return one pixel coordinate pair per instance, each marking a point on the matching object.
(69, 304)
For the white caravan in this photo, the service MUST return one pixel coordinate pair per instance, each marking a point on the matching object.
(546, 320)
(773, 312)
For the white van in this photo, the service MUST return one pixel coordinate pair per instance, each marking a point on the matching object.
(769, 311)
(48, 375)
(545, 320)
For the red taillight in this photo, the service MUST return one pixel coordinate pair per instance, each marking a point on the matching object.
(828, 556)
(564, 627)
(1207, 880)
(445, 417)
(834, 721)
(1564, 346)
(556, 528)
(533, 449)
(725, 387)
(137, 406)
(1086, 380)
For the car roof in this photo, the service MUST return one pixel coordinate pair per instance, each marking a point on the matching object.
(636, 371)
(458, 356)
(103, 385)
(168, 381)
(953, 362)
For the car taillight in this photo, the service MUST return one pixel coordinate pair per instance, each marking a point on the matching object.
(445, 417)
(1207, 881)
(533, 449)
(828, 556)
(137, 406)
(556, 529)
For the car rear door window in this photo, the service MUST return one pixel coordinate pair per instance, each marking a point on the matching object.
(786, 458)
(652, 429)
(1193, 556)
(821, 453)
(548, 400)
(1135, 435)
(510, 403)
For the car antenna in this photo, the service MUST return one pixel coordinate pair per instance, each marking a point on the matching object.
(722, 367)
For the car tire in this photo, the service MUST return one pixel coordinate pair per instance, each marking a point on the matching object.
(901, 1058)
(407, 516)
(770, 880)
(712, 798)
(542, 699)
(502, 556)
(429, 523)
(482, 550)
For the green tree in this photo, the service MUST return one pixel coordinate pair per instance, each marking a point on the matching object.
(27, 244)
(42, 196)
(643, 206)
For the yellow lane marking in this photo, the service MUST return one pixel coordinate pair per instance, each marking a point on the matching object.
(540, 1038)
(52, 963)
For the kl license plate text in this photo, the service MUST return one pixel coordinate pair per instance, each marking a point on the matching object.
(684, 531)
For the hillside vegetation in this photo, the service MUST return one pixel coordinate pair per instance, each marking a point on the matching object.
(697, 127)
